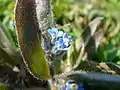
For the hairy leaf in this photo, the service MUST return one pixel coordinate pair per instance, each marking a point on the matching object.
(29, 40)
(93, 79)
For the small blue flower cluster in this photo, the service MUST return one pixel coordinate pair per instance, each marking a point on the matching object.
(72, 85)
(60, 40)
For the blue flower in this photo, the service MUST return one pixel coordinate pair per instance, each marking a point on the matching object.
(60, 40)
(72, 85)
(63, 42)
(55, 33)
(60, 44)
(67, 39)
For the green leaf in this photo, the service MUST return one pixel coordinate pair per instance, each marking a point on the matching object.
(5, 87)
(101, 53)
(118, 62)
(6, 59)
(30, 40)
(7, 49)
(5, 41)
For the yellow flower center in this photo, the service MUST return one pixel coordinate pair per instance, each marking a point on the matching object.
(73, 86)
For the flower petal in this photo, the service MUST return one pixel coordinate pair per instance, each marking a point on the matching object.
(60, 40)
(53, 31)
(70, 38)
(65, 35)
(60, 34)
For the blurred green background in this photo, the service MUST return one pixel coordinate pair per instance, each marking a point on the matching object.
(77, 13)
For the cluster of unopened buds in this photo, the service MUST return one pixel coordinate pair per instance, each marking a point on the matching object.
(60, 40)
